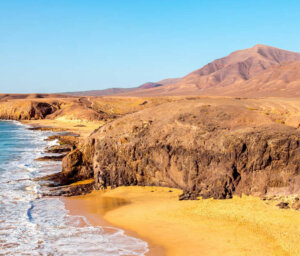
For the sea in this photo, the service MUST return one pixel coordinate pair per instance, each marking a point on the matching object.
(34, 225)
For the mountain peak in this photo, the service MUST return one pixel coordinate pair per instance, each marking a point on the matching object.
(257, 46)
(225, 75)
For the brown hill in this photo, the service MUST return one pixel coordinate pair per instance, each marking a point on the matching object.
(118, 91)
(5, 97)
(97, 93)
(235, 69)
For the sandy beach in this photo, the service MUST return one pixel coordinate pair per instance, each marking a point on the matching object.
(240, 226)
(95, 205)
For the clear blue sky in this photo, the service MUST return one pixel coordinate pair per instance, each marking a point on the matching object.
(72, 45)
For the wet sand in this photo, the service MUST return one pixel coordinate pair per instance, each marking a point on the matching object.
(244, 226)
(95, 205)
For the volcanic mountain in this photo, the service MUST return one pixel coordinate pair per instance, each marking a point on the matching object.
(243, 71)
(258, 71)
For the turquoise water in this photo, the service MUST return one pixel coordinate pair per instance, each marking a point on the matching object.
(35, 225)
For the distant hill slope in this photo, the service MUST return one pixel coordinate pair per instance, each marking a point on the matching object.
(5, 97)
(117, 91)
(248, 72)
(105, 92)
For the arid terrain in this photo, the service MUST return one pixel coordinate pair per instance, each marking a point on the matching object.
(236, 138)
(208, 146)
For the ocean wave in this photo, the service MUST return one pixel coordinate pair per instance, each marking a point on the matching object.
(31, 225)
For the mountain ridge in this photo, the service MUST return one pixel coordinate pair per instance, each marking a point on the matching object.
(226, 76)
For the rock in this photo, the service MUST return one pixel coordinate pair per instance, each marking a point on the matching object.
(69, 190)
(144, 103)
(72, 162)
(59, 149)
(68, 139)
(74, 168)
(27, 110)
(45, 128)
(296, 205)
(283, 205)
(51, 158)
(188, 196)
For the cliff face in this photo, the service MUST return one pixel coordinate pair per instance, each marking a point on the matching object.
(208, 150)
(54, 109)
(27, 110)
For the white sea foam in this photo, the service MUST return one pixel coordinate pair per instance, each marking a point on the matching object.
(31, 225)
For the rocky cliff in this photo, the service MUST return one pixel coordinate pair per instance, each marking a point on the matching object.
(27, 110)
(79, 109)
(209, 150)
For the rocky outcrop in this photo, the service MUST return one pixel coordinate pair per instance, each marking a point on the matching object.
(58, 149)
(50, 158)
(67, 109)
(76, 166)
(212, 151)
(26, 110)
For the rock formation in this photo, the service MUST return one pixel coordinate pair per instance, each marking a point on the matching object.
(209, 150)
(27, 110)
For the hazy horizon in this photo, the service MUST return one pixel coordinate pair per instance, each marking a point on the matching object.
(63, 46)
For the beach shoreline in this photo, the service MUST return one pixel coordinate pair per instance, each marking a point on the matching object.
(241, 226)
(93, 209)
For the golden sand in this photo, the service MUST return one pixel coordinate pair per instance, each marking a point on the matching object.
(244, 226)
(84, 129)
(95, 205)
(82, 182)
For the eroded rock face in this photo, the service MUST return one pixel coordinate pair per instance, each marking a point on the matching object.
(27, 110)
(58, 149)
(212, 151)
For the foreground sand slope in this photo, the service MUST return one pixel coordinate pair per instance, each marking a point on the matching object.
(244, 226)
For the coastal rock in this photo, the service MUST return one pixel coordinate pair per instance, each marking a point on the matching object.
(210, 151)
(75, 167)
(27, 110)
(70, 190)
(67, 139)
(57, 149)
(51, 158)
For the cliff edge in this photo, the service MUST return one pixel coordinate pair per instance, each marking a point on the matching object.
(211, 150)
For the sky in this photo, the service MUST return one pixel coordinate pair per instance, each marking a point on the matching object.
(51, 46)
